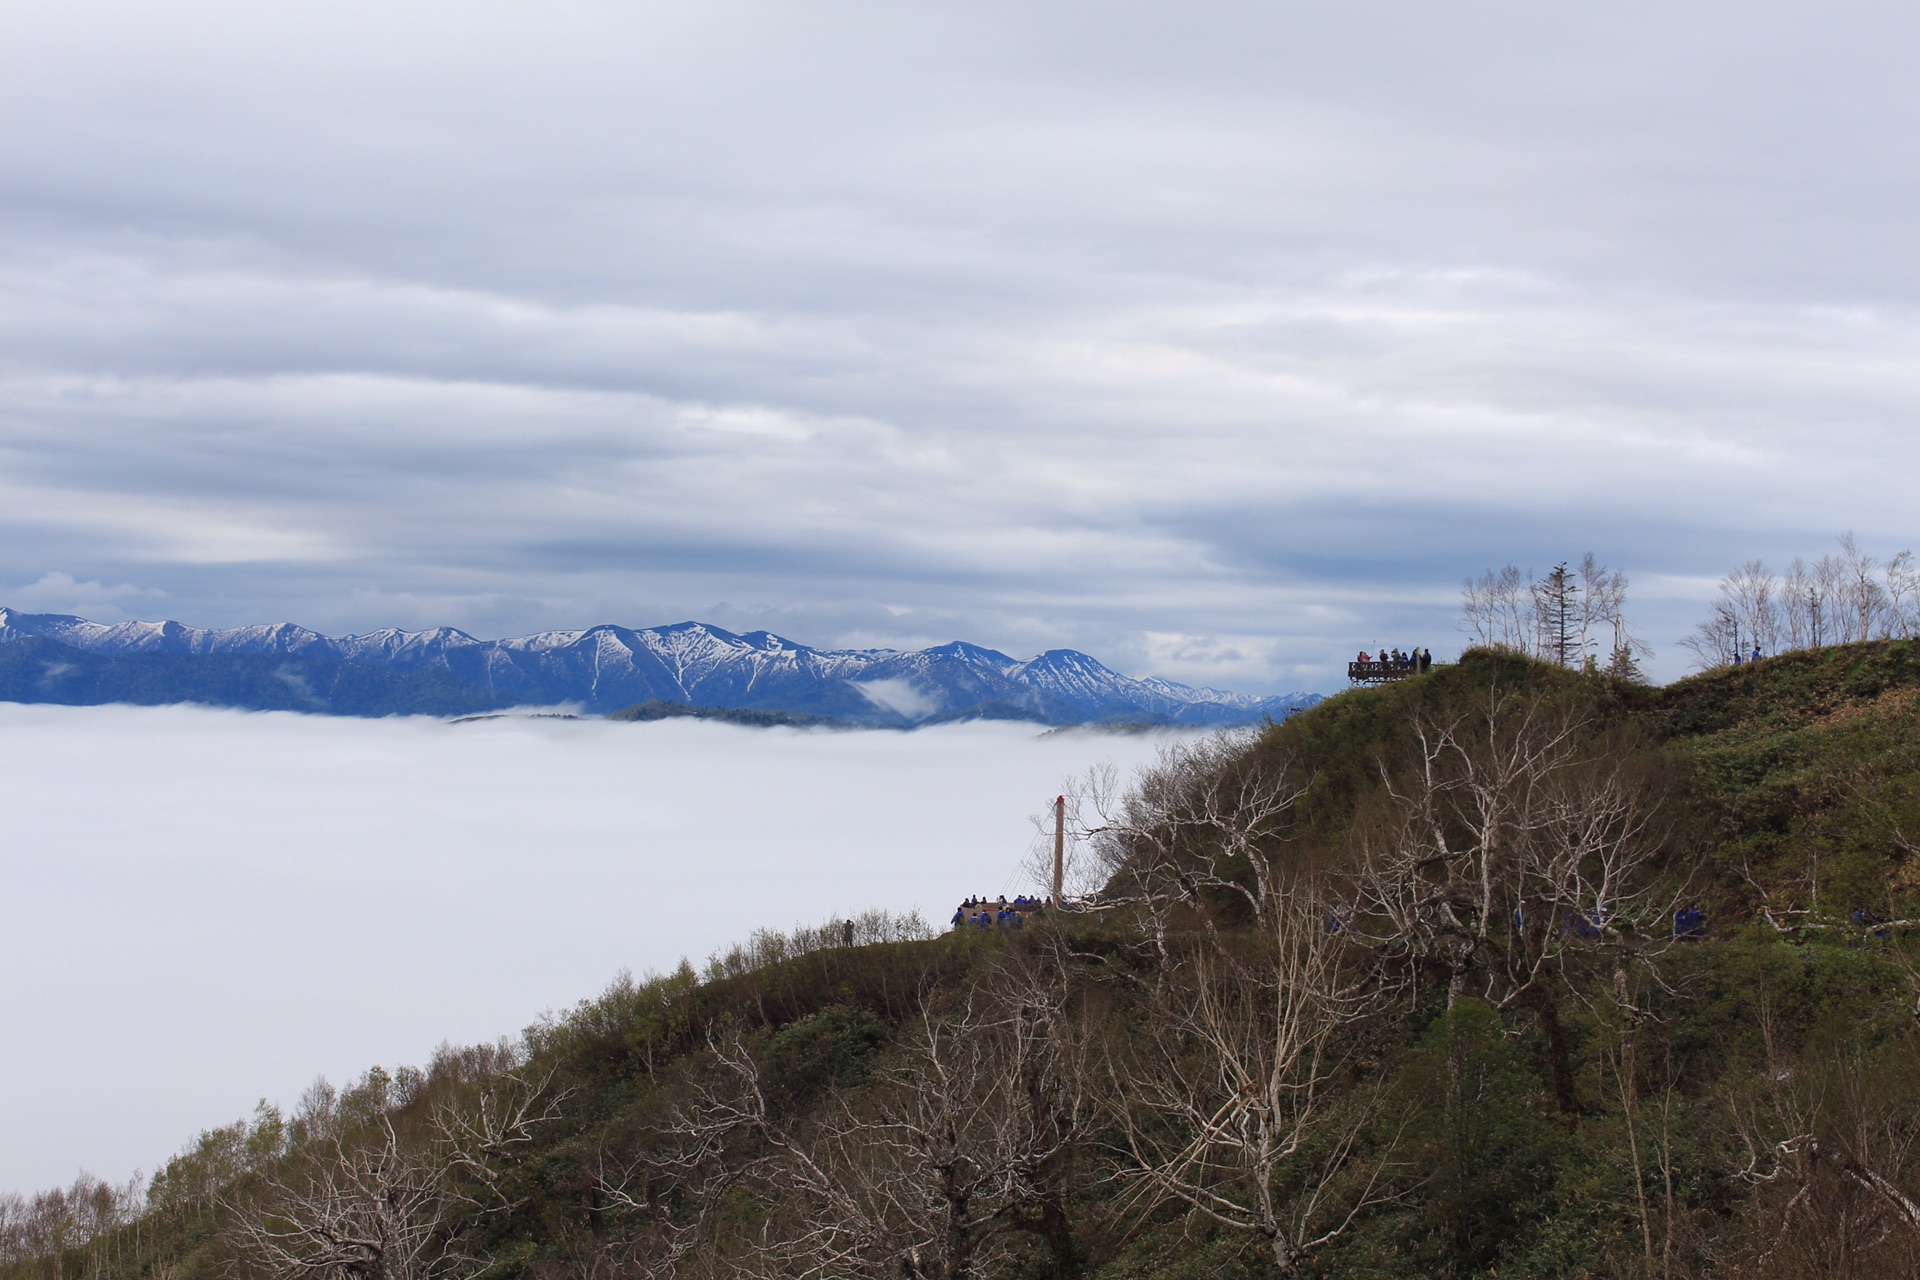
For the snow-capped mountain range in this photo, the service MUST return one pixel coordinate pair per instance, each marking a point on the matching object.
(58, 658)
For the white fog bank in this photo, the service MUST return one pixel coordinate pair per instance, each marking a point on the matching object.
(201, 908)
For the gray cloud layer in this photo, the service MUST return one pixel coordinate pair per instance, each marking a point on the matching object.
(1217, 340)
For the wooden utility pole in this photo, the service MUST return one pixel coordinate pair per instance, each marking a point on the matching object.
(1059, 850)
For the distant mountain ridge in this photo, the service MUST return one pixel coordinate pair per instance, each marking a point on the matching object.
(443, 671)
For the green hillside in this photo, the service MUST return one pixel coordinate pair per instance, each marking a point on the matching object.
(1503, 970)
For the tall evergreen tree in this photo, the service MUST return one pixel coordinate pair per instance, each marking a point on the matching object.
(1556, 610)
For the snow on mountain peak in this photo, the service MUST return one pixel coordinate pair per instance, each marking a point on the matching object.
(607, 667)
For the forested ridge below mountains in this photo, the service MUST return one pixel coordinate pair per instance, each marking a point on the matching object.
(1503, 969)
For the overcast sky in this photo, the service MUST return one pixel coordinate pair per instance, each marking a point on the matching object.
(1216, 340)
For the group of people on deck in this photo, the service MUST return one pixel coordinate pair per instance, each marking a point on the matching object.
(1411, 660)
(998, 913)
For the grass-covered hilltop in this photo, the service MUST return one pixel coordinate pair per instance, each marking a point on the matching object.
(1505, 969)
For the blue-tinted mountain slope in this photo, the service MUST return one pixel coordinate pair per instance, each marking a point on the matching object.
(57, 658)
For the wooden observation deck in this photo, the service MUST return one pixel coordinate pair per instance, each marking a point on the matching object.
(1381, 672)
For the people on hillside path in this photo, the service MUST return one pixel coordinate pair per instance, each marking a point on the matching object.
(982, 912)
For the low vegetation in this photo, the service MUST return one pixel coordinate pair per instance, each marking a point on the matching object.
(1507, 969)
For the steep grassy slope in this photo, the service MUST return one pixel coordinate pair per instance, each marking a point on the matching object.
(1803, 779)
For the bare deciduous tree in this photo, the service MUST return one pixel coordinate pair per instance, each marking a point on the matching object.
(1241, 1103)
(1832, 1155)
(1497, 609)
(1603, 617)
(1753, 590)
(1228, 1103)
(1566, 617)
(388, 1201)
(1512, 838)
(1829, 582)
(1751, 612)
(1903, 596)
(1715, 640)
(1838, 599)
(1207, 821)
(957, 1144)
(1862, 615)
(43, 1227)
(1803, 608)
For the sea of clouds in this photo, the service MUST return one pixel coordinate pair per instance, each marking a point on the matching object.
(201, 908)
